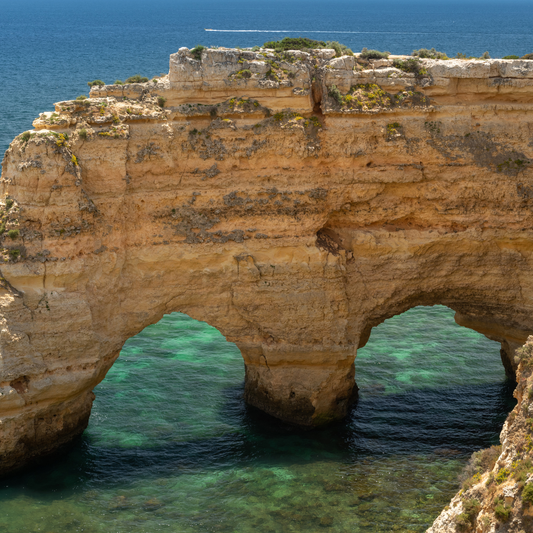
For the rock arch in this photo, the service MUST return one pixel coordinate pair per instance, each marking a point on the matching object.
(294, 234)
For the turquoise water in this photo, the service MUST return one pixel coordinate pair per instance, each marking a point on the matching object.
(171, 446)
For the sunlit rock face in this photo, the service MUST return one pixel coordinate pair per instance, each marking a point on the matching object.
(293, 201)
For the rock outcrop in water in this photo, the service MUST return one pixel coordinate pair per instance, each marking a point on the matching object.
(294, 201)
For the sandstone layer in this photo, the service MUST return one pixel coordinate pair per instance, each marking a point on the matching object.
(293, 201)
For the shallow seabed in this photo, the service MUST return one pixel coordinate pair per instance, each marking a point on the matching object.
(172, 447)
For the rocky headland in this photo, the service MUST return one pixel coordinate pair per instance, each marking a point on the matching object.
(293, 200)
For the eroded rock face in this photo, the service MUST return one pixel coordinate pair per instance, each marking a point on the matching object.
(292, 201)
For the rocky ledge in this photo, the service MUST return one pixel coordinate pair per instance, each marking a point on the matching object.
(292, 200)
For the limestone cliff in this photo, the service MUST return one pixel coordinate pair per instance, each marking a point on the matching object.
(294, 201)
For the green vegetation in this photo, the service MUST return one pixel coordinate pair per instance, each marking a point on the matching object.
(524, 352)
(243, 74)
(294, 43)
(510, 57)
(373, 54)
(197, 52)
(527, 494)
(424, 53)
(13, 234)
(502, 511)
(303, 43)
(81, 97)
(83, 133)
(14, 253)
(502, 475)
(480, 462)
(61, 138)
(340, 49)
(9, 204)
(25, 137)
(467, 518)
(161, 101)
(119, 82)
(336, 94)
(392, 129)
(137, 79)
(460, 55)
(95, 83)
(527, 56)
(271, 75)
(410, 65)
(365, 97)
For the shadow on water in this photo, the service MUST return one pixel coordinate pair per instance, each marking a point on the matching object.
(171, 445)
(443, 421)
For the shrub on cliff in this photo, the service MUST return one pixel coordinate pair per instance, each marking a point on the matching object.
(524, 352)
(95, 83)
(527, 56)
(373, 54)
(81, 97)
(294, 43)
(197, 52)
(510, 57)
(501, 511)
(271, 75)
(137, 79)
(410, 65)
(340, 49)
(119, 82)
(424, 53)
(527, 494)
(335, 94)
(161, 101)
(303, 43)
(83, 133)
(243, 74)
(467, 518)
(481, 462)
(13, 234)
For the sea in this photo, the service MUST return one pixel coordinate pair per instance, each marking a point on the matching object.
(171, 446)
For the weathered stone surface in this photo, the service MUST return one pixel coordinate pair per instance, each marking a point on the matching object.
(292, 221)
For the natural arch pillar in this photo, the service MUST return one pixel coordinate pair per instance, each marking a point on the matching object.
(308, 387)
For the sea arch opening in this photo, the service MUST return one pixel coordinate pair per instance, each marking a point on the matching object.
(164, 449)
(186, 374)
